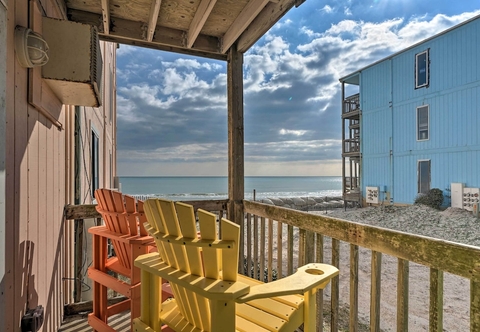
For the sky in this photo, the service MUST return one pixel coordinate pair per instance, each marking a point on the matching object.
(172, 108)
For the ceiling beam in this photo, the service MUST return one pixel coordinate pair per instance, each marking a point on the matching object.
(61, 7)
(106, 16)
(152, 20)
(201, 15)
(165, 39)
(162, 47)
(263, 22)
(248, 14)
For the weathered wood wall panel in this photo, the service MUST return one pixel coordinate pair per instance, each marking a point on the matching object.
(39, 160)
(3, 107)
(10, 210)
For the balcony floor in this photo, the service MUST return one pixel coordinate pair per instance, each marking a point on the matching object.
(120, 323)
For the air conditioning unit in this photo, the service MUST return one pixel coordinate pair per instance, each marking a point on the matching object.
(373, 194)
(74, 69)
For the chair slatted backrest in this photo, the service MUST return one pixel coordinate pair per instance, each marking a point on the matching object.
(172, 225)
(120, 215)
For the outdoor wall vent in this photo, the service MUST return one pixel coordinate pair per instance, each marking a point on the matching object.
(74, 70)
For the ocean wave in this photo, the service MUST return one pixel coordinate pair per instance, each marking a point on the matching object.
(248, 195)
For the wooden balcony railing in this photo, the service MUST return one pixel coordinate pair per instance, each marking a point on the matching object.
(351, 104)
(351, 145)
(278, 240)
(78, 214)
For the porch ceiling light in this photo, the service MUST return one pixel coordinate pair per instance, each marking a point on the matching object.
(30, 47)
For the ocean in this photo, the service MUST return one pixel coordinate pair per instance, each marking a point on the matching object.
(213, 188)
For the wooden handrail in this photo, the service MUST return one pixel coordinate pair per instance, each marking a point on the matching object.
(455, 258)
(439, 255)
(88, 211)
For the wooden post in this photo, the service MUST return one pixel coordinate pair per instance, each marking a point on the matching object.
(474, 305)
(343, 147)
(79, 223)
(235, 132)
(353, 321)
(375, 291)
(318, 259)
(309, 247)
(335, 304)
(402, 295)
(436, 300)
(235, 139)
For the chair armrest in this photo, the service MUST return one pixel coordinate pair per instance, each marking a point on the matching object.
(212, 289)
(307, 277)
(125, 238)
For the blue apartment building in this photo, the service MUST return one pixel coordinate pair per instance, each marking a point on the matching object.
(414, 124)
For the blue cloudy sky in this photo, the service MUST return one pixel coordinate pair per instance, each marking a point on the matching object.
(172, 109)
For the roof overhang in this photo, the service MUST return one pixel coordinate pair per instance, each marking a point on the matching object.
(206, 28)
(351, 79)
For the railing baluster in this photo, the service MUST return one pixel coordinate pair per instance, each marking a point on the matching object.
(290, 250)
(262, 249)
(318, 248)
(375, 291)
(220, 216)
(474, 306)
(436, 301)
(255, 247)
(270, 249)
(402, 295)
(241, 250)
(279, 250)
(319, 259)
(249, 245)
(335, 286)
(309, 247)
(301, 247)
(353, 324)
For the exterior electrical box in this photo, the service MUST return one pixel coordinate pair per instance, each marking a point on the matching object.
(471, 196)
(74, 68)
(456, 191)
(372, 195)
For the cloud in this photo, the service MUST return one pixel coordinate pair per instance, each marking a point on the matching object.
(293, 132)
(327, 9)
(191, 64)
(172, 111)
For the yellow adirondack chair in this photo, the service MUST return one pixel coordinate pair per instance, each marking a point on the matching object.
(209, 294)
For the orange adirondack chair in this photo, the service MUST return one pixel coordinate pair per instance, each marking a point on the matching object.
(209, 294)
(124, 218)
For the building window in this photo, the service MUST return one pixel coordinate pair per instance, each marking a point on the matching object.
(422, 72)
(422, 123)
(95, 162)
(423, 176)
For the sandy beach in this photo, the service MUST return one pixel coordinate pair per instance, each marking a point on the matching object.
(451, 224)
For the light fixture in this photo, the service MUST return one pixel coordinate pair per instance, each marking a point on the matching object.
(31, 48)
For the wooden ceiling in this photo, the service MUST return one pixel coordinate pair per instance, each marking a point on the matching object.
(205, 28)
